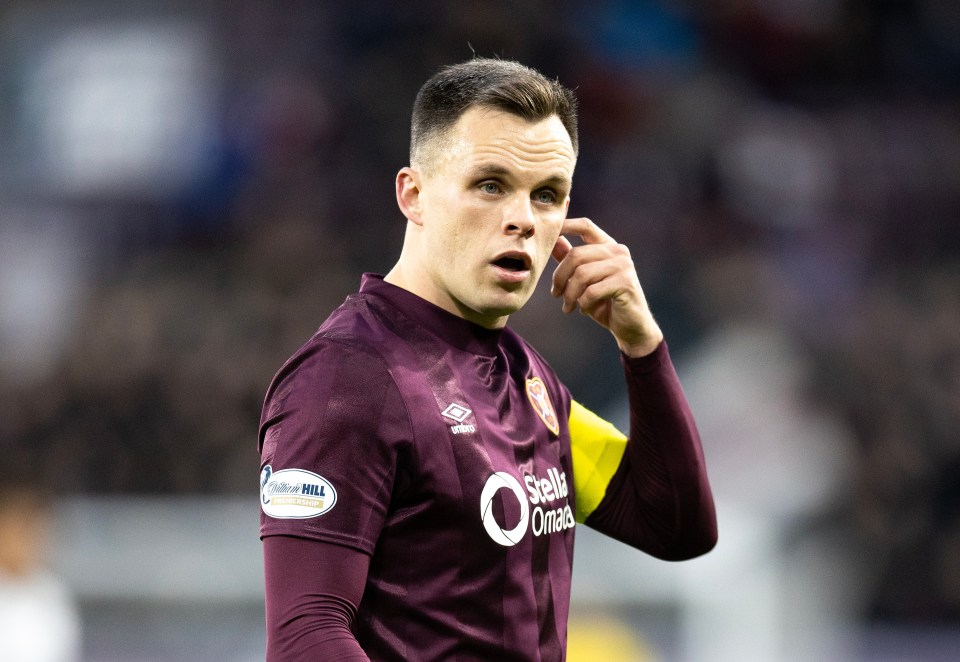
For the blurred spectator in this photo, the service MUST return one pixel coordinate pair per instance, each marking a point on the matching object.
(897, 379)
(780, 460)
(38, 619)
(43, 283)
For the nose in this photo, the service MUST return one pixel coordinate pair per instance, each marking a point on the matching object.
(519, 217)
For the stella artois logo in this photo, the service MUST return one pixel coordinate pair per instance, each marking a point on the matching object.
(540, 399)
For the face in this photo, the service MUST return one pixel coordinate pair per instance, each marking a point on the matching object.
(486, 212)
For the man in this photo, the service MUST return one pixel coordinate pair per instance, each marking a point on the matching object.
(423, 468)
(39, 620)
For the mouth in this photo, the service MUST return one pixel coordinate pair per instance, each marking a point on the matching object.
(514, 261)
(512, 268)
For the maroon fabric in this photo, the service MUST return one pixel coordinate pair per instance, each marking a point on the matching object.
(659, 499)
(453, 483)
(312, 592)
(419, 428)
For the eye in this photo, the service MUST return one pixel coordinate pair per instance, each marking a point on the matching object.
(545, 197)
(491, 188)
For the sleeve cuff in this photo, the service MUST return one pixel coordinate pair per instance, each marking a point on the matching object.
(655, 361)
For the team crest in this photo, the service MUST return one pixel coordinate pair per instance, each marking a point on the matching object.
(540, 399)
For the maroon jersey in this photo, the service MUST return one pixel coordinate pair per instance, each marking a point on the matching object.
(441, 449)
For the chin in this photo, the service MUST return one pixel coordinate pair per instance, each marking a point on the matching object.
(505, 306)
(496, 304)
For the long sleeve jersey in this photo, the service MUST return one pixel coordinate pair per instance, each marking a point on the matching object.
(422, 478)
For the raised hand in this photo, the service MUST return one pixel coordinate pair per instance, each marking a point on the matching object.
(600, 279)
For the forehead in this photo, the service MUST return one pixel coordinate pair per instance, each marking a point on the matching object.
(485, 136)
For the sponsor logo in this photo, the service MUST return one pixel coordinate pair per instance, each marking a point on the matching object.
(540, 399)
(295, 493)
(545, 517)
(458, 413)
(494, 484)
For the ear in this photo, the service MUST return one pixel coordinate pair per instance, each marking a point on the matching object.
(408, 194)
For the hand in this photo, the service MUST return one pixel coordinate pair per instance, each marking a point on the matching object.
(600, 278)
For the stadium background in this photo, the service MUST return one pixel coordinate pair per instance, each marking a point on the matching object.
(188, 188)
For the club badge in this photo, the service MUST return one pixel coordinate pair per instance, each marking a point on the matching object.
(540, 399)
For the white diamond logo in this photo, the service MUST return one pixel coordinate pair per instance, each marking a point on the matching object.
(456, 412)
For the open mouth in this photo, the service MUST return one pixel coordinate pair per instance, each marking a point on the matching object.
(513, 262)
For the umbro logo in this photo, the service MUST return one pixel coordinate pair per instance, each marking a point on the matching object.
(458, 413)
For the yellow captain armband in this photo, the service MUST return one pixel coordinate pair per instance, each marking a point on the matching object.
(596, 448)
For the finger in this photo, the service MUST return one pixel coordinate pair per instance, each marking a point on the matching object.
(561, 248)
(586, 229)
(582, 255)
(587, 276)
(599, 292)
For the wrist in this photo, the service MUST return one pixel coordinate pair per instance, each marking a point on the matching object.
(643, 345)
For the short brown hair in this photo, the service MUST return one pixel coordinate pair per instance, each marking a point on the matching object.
(491, 83)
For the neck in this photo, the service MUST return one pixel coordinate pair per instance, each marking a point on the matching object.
(402, 276)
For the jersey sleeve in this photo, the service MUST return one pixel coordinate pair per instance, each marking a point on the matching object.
(649, 490)
(312, 593)
(332, 438)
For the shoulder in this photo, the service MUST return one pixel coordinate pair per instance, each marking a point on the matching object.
(336, 391)
(344, 355)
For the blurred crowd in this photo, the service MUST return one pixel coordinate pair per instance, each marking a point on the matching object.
(793, 165)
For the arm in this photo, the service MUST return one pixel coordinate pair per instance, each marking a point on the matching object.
(651, 490)
(658, 498)
(335, 412)
(312, 592)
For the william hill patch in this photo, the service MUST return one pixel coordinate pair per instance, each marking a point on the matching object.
(295, 493)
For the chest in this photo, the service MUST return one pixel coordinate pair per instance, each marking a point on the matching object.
(491, 458)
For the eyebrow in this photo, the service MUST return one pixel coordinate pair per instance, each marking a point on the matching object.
(556, 181)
